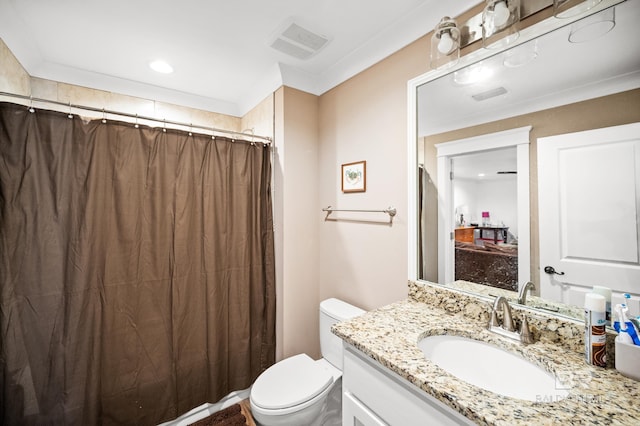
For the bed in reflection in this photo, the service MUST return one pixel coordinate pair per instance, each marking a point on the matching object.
(492, 264)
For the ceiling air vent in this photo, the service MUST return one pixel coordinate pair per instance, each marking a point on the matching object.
(489, 94)
(298, 42)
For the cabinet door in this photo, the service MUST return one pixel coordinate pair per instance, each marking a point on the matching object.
(355, 413)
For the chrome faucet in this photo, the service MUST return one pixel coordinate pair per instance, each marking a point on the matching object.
(508, 329)
(522, 295)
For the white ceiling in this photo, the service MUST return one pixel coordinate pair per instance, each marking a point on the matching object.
(485, 165)
(219, 49)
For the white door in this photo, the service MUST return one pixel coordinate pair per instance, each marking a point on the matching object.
(589, 204)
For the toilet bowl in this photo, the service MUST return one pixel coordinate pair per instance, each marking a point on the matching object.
(294, 391)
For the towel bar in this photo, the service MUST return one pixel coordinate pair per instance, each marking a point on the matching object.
(391, 211)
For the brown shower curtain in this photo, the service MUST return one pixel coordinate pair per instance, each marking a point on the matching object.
(137, 270)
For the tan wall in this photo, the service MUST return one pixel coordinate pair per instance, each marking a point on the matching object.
(260, 119)
(297, 216)
(613, 110)
(360, 262)
(13, 77)
(365, 118)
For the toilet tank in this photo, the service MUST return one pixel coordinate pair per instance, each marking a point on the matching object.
(331, 312)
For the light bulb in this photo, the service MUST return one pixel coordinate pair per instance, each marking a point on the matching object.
(501, 14)
(446, 43)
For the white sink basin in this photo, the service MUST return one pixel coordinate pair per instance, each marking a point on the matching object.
(491, 368)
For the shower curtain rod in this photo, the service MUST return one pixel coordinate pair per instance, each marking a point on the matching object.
(265, 139)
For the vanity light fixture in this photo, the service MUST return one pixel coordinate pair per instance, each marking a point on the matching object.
(445, 44)
(498, 22)
(161, 67)
(570, 8)
(593, 27)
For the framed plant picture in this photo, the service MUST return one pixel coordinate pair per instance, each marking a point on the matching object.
(354, 177)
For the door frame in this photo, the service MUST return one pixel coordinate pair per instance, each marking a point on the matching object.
(518, 137)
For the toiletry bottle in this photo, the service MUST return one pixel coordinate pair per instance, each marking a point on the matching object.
(606, 292)
(595, 337)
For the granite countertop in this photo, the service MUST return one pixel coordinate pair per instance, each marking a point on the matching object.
(389, 336)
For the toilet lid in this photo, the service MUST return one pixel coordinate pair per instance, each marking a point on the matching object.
(290, 382)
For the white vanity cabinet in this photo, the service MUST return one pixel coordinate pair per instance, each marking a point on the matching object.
(373, 395)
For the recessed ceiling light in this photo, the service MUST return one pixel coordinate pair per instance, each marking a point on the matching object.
(481, 174)
(161, 67)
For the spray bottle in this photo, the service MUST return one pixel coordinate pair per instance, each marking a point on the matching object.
(595, 337)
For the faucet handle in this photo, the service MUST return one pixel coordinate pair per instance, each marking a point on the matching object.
(525, 334)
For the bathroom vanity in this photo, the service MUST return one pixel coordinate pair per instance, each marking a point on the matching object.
(388, 381)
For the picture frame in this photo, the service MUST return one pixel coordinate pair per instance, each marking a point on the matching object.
(354, 177)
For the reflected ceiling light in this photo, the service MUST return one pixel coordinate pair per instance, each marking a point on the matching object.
(570, 8)
(161, 67)
(472, 74)
(445, 44)
(498, 22)
(593, 27)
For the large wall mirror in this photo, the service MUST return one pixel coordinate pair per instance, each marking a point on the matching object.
(478, 138)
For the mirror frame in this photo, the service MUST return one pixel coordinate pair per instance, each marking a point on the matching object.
(536, 30)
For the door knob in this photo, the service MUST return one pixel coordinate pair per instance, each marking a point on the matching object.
(551, 270)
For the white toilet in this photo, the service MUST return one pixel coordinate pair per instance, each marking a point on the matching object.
(294, 390)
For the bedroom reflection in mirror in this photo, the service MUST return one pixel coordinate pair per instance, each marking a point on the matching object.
(485, 206)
